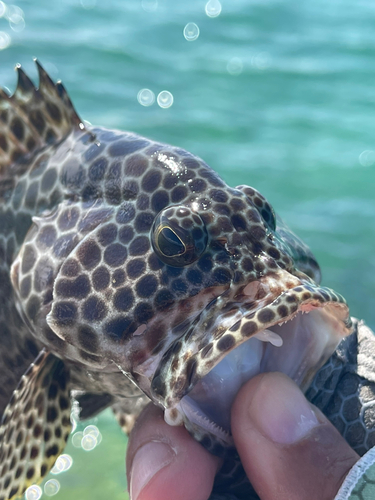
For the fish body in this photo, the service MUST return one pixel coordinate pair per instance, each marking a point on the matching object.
(130, 271)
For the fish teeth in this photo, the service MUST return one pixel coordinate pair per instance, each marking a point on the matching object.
(190, 409)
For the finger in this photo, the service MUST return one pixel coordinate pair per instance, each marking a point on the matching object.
(289, 450)
(165, 462)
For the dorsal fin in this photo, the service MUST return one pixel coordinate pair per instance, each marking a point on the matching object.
(33, 117)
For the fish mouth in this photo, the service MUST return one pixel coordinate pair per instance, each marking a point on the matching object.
(297, 344)
(290, 348)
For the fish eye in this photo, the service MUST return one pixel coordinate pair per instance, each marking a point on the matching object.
(269, 216)
(261, 204)
(178, 236)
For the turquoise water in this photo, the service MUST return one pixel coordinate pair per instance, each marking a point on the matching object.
(276, 94)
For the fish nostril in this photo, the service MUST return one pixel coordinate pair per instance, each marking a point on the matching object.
(222, 241)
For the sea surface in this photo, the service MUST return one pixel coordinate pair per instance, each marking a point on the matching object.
(276, 94)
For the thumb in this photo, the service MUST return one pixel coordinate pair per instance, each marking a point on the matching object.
(288, 448)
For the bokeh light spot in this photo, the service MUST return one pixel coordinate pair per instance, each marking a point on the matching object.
(4, 40)
(367, 158)
(89, 442)
(62, 464)
(149, 5)
(191, 32)
(165, 99)
(51, 487)
(146, 97)
(33, 492)
(261, 61)
(235, 66)
(15, 17)
(213, 8)
(77, 439)
(17, 26)
(88, 4)
(14, 13)
(91, 429)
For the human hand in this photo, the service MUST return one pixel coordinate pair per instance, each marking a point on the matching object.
(288, 448)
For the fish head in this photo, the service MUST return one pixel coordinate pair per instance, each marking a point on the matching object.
(154, 266)
(259, 308)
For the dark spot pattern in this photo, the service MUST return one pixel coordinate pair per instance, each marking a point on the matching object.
(146, 286)
(115, 255)
(89, 254)
(123, 299)
(266, 315)
(86, 262)
(100, 278)
(94, 309)
(78, 288)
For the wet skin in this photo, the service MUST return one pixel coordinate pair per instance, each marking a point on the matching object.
(289, 450)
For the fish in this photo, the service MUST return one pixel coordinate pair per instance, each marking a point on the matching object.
(131, 272)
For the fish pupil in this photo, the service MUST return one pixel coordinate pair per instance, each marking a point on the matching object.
(169, 243)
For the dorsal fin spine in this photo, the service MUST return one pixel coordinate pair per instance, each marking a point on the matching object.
(32, 118)
(24, 84)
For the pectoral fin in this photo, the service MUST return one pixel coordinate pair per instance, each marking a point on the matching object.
(126, 411)
(35, 425)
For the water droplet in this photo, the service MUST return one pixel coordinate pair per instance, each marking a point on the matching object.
(367, 158)
(91, 429)
(33, 492)
(146, 97)
(62, 464)
(213, 8)
(89, 442)
(165, 99)
(77, 439)
(51, 487)
(191, 32)
(2, 8)
(149, 5)
(235, 66)
(4, 40)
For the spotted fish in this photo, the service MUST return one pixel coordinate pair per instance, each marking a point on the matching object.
(130, 271)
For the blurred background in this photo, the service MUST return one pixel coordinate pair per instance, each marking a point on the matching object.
(276, 94)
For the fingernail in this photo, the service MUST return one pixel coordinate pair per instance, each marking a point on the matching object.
(280, 410)
(148, 460)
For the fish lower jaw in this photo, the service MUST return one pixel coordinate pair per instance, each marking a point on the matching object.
(208, 405)
(187, 412)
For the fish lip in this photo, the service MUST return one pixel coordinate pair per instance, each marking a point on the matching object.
(197, 344)
(304, 305)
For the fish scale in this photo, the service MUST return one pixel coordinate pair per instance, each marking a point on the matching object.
(133, 270)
